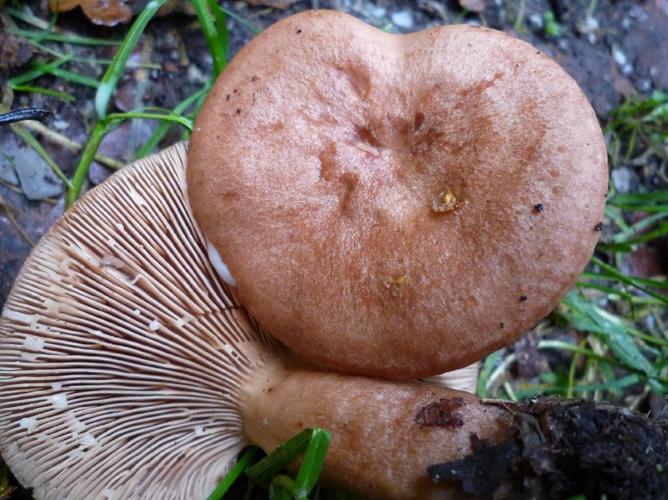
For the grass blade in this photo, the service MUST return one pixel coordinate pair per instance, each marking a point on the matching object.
(269, 466)
(566, 346)
(221, 26)
(314, 459)
(608, 290)
(641, 198)
(33, 74)
(590, 318)
(30, 140)
(87, 155)
(211, 35)
(40, 36)
(70, 76)
(27, 17)
(277, 490)
(641, 225)
(614, 273)
(164, 127)
(41, 90)
(234, 474)
(488, 365)
(243, 22)
(115, 70)
(184, 122)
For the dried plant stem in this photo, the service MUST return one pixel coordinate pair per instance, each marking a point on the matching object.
(12, 219)
(69, 144)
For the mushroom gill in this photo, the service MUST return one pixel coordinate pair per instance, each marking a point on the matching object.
(121, 354)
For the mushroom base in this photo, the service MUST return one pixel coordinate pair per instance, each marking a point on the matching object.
(384, 434)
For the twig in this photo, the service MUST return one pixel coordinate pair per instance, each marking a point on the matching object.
(28, 138)
(69, 144)
(19, 229)
(500, 370)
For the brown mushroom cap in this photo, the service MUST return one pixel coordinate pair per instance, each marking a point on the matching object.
(396, 205)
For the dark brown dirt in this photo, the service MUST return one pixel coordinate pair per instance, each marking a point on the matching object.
(567, 448)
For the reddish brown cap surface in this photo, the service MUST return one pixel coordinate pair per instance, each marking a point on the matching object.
(397, 205)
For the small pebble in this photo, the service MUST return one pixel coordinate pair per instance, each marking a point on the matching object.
(618, 55)
(591, 23)
(378, 12)
(36, 177)
(624, 179)
(98, 173)
(60, 125)
(536, 21)
(403, 19)
(644, 84)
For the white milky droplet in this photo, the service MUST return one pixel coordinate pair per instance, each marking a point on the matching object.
(59, 401)
(29, 424)
(33, 343)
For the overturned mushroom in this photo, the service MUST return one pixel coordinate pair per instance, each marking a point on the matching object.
(127, 370)
(370, 192)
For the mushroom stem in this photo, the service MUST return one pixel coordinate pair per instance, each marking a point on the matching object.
(385, 434)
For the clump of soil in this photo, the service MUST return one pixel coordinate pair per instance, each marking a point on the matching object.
(566, 448)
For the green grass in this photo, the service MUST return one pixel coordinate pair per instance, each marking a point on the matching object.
(552, 27)
(44, 91)
(115, 70)
(40, 36)
(269, 472)
(34, 73)
(621, 349)
(518, 25)
(159, 133)
(214, 27)
(215, 32)
(235, 472)
(63, 74)
(639, 126)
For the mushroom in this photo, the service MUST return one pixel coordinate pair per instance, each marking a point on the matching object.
(127, 370)
(426, 196)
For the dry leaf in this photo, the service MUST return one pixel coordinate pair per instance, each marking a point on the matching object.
(111, 12)
(276, 4)
(63, 5)
(473, 5)
(14, 51)
(106, 12)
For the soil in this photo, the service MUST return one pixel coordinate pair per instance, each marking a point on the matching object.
(567, 448)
